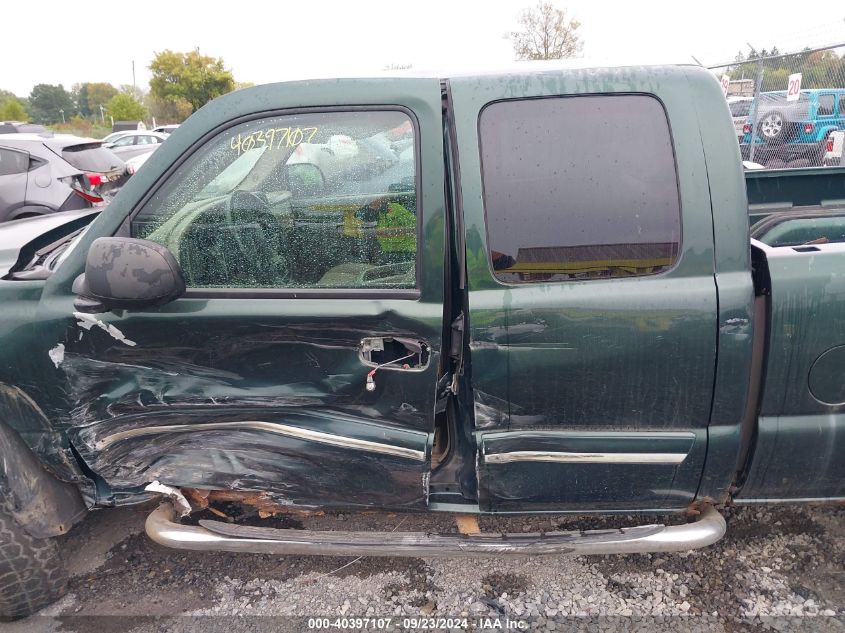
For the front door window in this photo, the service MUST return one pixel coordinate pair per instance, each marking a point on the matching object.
(314, 200)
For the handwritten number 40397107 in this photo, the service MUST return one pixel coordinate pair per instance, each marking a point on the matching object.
(274, 138)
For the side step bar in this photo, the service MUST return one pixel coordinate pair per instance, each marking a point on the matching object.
(163, 527)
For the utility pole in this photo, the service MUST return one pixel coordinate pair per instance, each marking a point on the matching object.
(102, 115)
(62, 112)
(754, 104)
(134, 89)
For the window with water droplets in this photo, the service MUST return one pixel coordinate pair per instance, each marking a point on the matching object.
(318, 200)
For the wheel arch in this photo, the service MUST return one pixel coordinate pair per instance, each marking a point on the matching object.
(43, 503)
(825, 131)
(30, 210)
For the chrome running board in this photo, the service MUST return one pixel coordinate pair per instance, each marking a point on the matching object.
(163, 527)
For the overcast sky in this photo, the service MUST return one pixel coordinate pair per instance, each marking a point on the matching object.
(263, 42)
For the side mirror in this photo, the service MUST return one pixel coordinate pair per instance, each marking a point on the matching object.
(128, 273)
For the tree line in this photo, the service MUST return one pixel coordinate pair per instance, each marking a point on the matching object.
(181, 83)
(819, 69)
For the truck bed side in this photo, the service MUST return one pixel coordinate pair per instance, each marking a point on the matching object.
(798, 235)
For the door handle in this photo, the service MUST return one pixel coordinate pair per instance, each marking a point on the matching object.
(388, 352)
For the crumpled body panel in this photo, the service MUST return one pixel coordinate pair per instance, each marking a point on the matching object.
(250, 404)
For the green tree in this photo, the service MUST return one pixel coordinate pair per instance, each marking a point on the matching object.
(168, 110)
(546, 33)
(822, 69)
(79, 94)
(124, 107)
(193, 77)
(12, 110)
(135, 91)
(47, 103)
(98, 94)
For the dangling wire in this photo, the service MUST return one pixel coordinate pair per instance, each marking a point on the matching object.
(371, 384)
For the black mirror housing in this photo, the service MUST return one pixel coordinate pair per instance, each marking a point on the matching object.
(131, 274)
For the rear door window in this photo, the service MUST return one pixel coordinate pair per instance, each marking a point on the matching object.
(579, 188)
(12, 162)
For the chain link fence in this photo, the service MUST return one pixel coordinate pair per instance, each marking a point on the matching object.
(788, 110)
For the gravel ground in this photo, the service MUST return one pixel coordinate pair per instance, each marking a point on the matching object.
(779, 568)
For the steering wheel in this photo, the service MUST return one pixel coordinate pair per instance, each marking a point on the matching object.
(259, 246)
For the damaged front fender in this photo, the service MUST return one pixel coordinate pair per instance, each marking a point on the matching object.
(40, 503)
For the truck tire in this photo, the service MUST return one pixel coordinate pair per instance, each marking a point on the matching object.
(773, 127)
(31, 571)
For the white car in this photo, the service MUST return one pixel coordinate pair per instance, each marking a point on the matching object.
(134, 164)
(833, 155)
(740, 108)
(136, 143)
(166, 129)
(111, 138)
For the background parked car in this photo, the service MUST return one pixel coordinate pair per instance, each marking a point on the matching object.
(16, 234)
(15, 127)
(111, 138)
(795, 130)
(166, 129)
(740, 108)
(42, 174)
(136, 143)
(833, 155)
(134, 164)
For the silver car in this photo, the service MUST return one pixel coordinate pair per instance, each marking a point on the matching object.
(136, 143)
(42, 174)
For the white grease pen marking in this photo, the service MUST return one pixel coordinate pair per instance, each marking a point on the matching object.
(87, 321)
(57, 354)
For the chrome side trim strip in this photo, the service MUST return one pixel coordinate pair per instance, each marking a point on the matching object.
(585, 458)
(270, 427)
(163, 527)
(741, 502)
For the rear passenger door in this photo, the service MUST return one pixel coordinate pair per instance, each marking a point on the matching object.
(591, 286)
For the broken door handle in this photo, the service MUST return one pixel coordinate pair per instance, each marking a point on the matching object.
(388, 352)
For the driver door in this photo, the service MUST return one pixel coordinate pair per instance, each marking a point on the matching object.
(311, 240)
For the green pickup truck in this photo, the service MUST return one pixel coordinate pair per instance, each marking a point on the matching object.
(540, 292)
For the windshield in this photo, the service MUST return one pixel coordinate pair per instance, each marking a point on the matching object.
(70, 246)
(111, 138)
